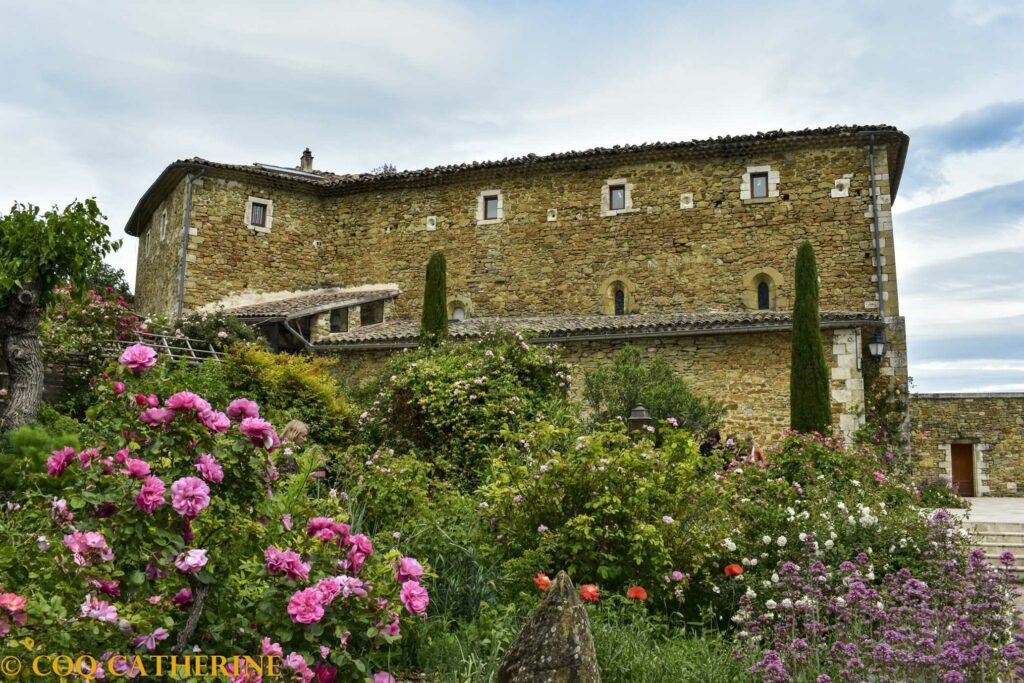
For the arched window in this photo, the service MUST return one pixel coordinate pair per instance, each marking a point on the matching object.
(459, 308)
(620, 301)
(763, 296)
(458, 313)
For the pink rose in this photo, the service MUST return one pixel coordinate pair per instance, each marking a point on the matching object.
(260, 432)
(305, 606)
(157, 417)
(189, 496)
(186, 400)
(86, 456)
(182, 598)
(286, 562)
(191, 561)
(111, 588)
(138, 357)
(88, 547)
(100, 610)
(119, 388)
(136, 469)
(59, 461)
(270, 648)
(383, 677)
(408, 569)
(151, 495)
(241, 408)
(414, 597)
(209, 469)
(361, 549)
(214, 420)
(326, 529)
(297, 665)
(121, 456)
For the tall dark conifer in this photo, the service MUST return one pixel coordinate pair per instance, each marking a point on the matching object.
(810, 408)
(434, 326)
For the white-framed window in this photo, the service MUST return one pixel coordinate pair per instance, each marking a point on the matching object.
(163, 225)
(617, 197)
(759, 183)
(259, 214)
(490, 207)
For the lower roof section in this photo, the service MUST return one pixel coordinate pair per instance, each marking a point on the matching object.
(396, 334)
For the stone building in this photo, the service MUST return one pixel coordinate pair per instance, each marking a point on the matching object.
(684, 249)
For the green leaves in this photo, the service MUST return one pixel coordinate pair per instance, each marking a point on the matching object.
(56, 247)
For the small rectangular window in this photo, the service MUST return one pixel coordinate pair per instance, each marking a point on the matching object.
(339, 320)
(616, 197)
(758, 185)
(491, 208)
(259, 215)
(371, 313)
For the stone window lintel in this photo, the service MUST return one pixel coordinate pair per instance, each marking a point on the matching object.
(269, 214)
(607, 212)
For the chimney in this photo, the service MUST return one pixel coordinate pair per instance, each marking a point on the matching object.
(306, 162)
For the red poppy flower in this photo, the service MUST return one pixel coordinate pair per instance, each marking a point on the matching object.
(543, 581)
(590, 593)
(637, 593)
(733, 570)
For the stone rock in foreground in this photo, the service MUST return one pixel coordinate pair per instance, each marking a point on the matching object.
(555, 645)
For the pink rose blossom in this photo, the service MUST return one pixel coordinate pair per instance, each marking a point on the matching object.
(297, 665)
(86, 456)
(157, 417)
(59, 511)
(361, 549)
(414, 597)
(88, 547)
(191, 561)
(59, 461)
(329, 589)
(214, 420)
(260, 432)
(119, 388)
(149, 641)
(154, 599)
(270, 648)
(190, 496)
(241, 408)
(111, 588)
(383, 677)
(209, 469)
(136, 469)
(326, 529)
(121, 456)
(100, 610)
(408, 570)
(305, 606)
(182, 598)
(138, 357)
(287, 562)
(350, 585)
(186, 400)
(286, 521)
(151, 495)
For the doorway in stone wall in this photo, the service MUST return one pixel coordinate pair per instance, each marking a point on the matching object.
(962, 456)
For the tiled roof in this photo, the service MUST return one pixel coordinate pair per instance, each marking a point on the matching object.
(311, 302)
(324, 182)
(400, 333)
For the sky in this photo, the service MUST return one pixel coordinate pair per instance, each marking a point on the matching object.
(99, 97)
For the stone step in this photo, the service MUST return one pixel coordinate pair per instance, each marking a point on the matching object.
(998, 527)
(1009, 538)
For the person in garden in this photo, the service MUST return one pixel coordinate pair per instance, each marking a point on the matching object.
(711, 442)
(293, 437)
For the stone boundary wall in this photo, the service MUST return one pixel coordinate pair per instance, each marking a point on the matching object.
(748, 372)
(993, 423)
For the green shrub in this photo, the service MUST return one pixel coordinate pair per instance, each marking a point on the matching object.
(936, 492)
(612, 391)
(605, 509)
(23, 455)
(292, 388)
(214, 327)
(455, 403)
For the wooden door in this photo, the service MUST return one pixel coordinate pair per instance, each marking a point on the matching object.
(963, 468)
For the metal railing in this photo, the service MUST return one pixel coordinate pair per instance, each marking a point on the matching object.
(193, 350)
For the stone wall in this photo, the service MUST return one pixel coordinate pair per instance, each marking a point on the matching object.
(992, 423)
(156, 280)
(748, 372)
(690, 241)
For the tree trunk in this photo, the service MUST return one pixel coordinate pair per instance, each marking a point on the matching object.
(19, 342)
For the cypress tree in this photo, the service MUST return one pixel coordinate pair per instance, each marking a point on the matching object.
(434, 326)
(810, 406)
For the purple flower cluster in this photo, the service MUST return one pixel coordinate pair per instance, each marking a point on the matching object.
(954, 621)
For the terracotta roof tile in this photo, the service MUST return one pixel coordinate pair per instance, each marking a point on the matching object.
(398, 333)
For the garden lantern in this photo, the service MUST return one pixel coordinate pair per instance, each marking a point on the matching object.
(639, 418)
(876, 345)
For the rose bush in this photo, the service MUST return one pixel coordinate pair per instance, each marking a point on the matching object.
(173, 531)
